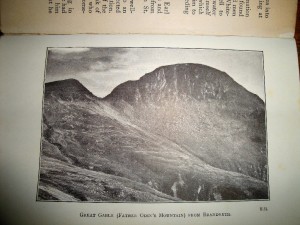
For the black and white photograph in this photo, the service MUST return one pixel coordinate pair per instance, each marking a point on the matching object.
(153, 125)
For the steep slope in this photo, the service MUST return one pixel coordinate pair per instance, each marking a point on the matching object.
(203, 110)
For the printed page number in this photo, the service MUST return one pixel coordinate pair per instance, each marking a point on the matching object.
(263, 209)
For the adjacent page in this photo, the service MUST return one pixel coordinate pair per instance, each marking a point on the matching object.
(149, 129)
(268, 18)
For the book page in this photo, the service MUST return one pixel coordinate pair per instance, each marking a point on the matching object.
(270, 18)
(75, 151)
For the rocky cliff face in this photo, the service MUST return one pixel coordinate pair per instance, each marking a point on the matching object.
(202, 109)
(182, 80)
(182, 132)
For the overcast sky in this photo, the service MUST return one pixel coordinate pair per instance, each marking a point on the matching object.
(102, 69)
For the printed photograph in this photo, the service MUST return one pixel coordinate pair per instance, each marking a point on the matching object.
(153, 125)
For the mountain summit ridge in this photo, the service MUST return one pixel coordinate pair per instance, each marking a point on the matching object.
(195, 80)
(68, 89)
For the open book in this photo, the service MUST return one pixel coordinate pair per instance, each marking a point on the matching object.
(169, 113)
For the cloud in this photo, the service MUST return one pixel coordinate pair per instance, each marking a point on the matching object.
(72, 61)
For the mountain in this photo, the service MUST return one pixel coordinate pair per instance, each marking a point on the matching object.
(195, 80)
(67, 90)
(182, 132)
(203, 110)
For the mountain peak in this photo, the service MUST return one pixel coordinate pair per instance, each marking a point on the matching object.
(68, 89)
(197, 81)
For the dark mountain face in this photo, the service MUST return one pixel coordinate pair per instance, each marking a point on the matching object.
(182, 132)
(180, 81)
(67, 90)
